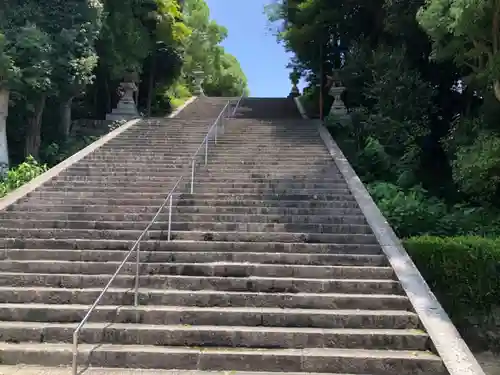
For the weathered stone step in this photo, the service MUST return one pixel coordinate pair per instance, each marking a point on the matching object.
(327, 195)
(343, 195)
(62, 370)
(113, 174)
(266, 237)
(238, 316)
(223, 210)
(215, 336)
(197, 257)
(187, 246)
(270, 227)
(219, 188)
(111, 180)
(96, 184)
(167, 171)
(22, 216)
(205, 298)
(236, 284)
(85, 182)
(221, 202)
(189, 235)
(218, 269)
(348, 202)
(376, 362)
(214, 161)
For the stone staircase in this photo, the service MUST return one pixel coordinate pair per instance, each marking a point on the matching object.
(272, 268)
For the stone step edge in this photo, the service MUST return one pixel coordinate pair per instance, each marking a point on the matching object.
(300, 353)
(220, 310)
(61, 370)
(145, 291)
(104, 326)
(212, 278)
(202, 264)
(145, 223)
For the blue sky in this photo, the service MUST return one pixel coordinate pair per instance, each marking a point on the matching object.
(262, 59)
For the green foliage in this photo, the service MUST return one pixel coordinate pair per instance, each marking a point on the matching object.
(467, 32)
(413, 212)
(463, 274)
(477, 168)
(223, 75)
(20, 175)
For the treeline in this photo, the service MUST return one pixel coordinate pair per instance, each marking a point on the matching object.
(62, 60)
(422, 86)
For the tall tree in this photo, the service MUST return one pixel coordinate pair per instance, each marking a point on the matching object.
(467, 31)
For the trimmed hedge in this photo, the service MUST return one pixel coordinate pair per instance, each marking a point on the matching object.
(463, 272)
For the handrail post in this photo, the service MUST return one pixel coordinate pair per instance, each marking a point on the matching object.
(170, 217)
(206, 150)
(192, 176)
(216, 131)
(137, 263)
(74, 369)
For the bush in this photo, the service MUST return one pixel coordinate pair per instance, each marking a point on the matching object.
(20, 175)
(463, 274)
(412, 212)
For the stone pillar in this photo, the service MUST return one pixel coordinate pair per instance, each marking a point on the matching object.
(4, 151)
(126, 108)
(199, 76)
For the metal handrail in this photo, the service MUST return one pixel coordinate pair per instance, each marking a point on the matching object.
(137, 244)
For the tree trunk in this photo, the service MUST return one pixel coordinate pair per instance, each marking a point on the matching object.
(34, 129)
(65, 117)
(4, 150)
(496, 89)
(151, 85)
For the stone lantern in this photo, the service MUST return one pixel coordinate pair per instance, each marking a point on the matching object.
(199, 76)
(126, 108)
(336, 90)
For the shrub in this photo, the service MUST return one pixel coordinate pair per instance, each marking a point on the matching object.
(20, 175)
(463, 274)
(412, 212)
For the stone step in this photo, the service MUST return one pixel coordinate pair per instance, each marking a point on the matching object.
(211, 210)
(110, 180)
(219, 188)
(230, 201)
(216, 269)
(167, 170)
(163, 217)
(124, 173)
(61, 370)
(255, 284)
(215, 336)
(177, 225)
(205, 298)
(376, 362)
(325, 194)
(85, 182)
(342, 202)
(196, 257)
(189, 235)
(119, 156)
(236, 160)
(188, 246)
(191, 315)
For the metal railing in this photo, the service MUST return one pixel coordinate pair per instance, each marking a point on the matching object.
(218, 125)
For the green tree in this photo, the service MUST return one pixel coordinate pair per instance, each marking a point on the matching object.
(468, 31)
